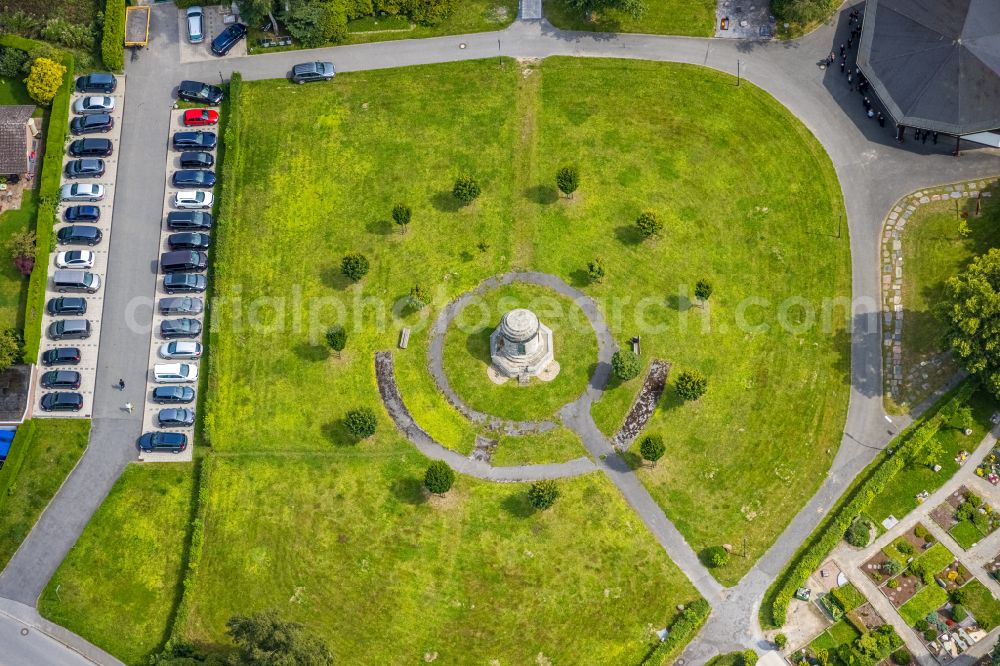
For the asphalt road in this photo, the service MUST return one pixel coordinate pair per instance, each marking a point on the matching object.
(874, 172)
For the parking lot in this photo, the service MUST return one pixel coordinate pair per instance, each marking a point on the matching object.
(87, 366)
(151, 410)
(213, 22)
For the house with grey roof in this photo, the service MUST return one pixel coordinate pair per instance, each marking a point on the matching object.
(16, 133)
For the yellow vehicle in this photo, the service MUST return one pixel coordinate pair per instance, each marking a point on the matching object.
(137, 25)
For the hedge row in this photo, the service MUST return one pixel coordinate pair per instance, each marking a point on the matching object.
(49, 180)
(113, 41)
(18, 450)
(832, 529)
(680, 633)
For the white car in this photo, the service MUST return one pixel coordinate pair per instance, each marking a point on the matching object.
(173, 373)
(81, 192)
(181, 349)
(193, 199)
(93, 104)
(75, 259)
(196, 32)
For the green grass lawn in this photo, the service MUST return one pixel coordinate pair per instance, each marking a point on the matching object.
(840, 633)
(388, 575)
(728, 659)
(121, 582)
(982, 604)
(927, 599)
(758, 218)
(849, 597)
(898, 551)
(900, 496)
(467, 354)
(40, 459)
(965, 534)
(666, 17)
(933, 251)
(14, 286)
(936, 558)
(555, 446)
(13, 91)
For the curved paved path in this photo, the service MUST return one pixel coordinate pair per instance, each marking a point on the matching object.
(873, 173)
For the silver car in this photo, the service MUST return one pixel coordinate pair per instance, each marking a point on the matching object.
(81, 192)
(94, 104)
(196, 32)
(181, 349)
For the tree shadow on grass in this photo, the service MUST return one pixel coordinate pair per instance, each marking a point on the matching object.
(632, 459)
(409, 490)
(518, 505)
(544, 195)
(679, 302)
(313, 353)
(333, 278)
(579, 278)
(336, 433)
(445, 202)
(628, 234)
(379, 227)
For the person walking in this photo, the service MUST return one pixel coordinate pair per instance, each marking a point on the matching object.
(923, 136)
(841, 50)
(129, 407)
(121, 384)
(842, 64)
(935, 137)
(900, 133)
(881, 119)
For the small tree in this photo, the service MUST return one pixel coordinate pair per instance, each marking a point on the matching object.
(22, 249)
(10, 348)
(858, 534)
(568, 179)
(44, 80)
(649, 223)
(336, 337)
(748, 658)
(543, 494)
(361, 422)
(703, 291)
(401, 214)
(690, 385)
(933, 450)
(995, 657)
(652, 448)
(439, 478)
(264, 639)
(625, 364)
(780, 640)
(354, 265)
(595, 270)
(958, 612)
(716, 556)
(418, 298)
(466, 189)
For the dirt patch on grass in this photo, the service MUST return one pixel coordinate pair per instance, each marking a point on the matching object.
(644, 405)
(906, 586)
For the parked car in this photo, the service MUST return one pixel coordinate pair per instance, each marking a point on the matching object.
(162, 442)
(173, 373)
(180, 349)
(92, 147)
(196, 160)
(193, 199)
(183, 260)
(228, 38)
(196, 91)
(69, 329)
(79, 235)
(312, 71)
(195, 117)
(93, 104)
(98, 82)
(62, 401)
(197, 140)
(185, 220)
(175, 417)
(61, 356)
(193, 178)
(75, 258)
(89, 214)
(86, 168)
(189, 240)
(61, 379)
(179, 328)
(91, 124)
(184, 283)
(181, 305)
(195, 25)
(76, 281)
(81, 192)
(178, 395)
(66, 305)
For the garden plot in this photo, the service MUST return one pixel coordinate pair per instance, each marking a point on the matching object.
(966, 517)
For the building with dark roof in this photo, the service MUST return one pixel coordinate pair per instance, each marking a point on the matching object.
(15, 138)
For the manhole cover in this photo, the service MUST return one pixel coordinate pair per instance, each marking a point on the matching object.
(24, 632)
(462, 45)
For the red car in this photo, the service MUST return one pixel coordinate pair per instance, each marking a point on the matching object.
(194, 117)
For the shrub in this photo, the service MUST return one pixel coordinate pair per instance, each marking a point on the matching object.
(71, 35)
(466, 189)
(316, 23)
(905, 547)
(703, 290)
(891, 567)
(439, 478)
(401, 214)
(652, 448)
(901, 657)
(543, 494)
(44, 80)
(361, 422)
(958, 612)
(690, 385)
(11, 62)
(595, 270)
(568, 179)
(428, 12)
(10, 348)
(336, 337)
(920, 531)
(781, 641)
(859, 533)
(959, 595)
(22, 244)
(113, 40)
(892, 584)
(930, 634)
(19, 23)
(649, 223)
(748, 658)
(716, 556)
(354, 265)
(625, 364)
(680, 632)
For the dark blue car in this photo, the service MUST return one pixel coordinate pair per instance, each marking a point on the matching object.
(228, 38)
(82, 214)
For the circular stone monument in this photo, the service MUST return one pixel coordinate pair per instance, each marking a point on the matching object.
(521, 347)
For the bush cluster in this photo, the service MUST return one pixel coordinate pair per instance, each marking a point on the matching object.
(690, 385)
(44, 80)
(859, 533)
(466, 189)
(543, 494)
(361, 422)
(682, 630)
(113, 40)
(439, 478)
(716, 556)
(826, 536)
(625, 364)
